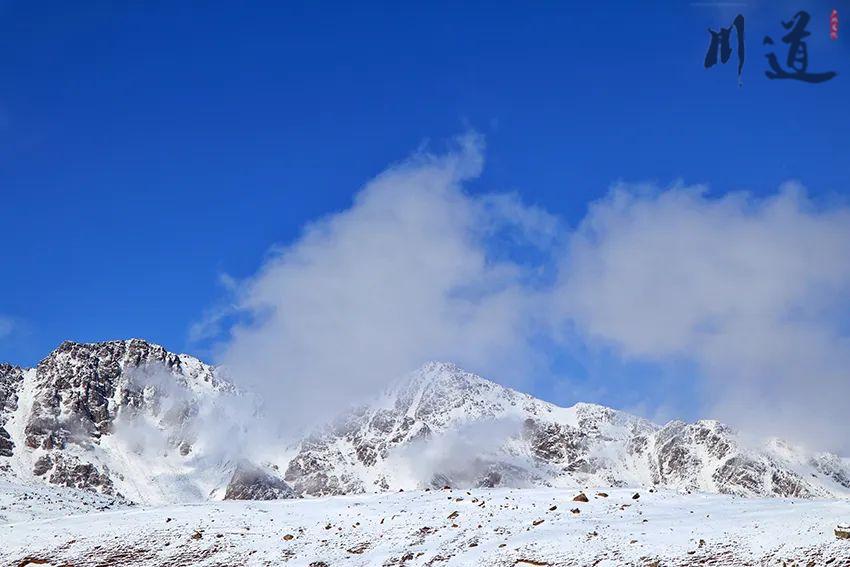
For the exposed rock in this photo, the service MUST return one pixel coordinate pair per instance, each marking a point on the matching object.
(11, 378)
(554, 442)
(358, 548)
(42, 465)
(76, 383)
(254, 483)
(81, 391)
(70, 472)
(6, 444)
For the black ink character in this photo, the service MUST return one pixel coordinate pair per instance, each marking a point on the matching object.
(720, 43)
(798, 53)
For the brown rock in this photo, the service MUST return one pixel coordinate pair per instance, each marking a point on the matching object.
(359, 548)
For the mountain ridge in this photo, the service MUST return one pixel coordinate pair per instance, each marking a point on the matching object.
(129, 418)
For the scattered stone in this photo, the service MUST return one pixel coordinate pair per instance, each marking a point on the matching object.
(635, 496)
(359, 548)
(537, 522)
(575, 511)
(602, 494)
(288, 537)
(32, 561)
(842, 531)
(580, 497)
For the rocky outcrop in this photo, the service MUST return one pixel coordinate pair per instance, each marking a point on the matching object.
(6, 443)
(76, 383)
(82, 391)
(251, 482)
(555, 442)
(74, 473)
(11, 378)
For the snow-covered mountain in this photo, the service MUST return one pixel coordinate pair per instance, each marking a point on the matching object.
(123, 418)
(444, 426)
(130, 419)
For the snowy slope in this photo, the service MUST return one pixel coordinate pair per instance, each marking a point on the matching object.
(483, 527)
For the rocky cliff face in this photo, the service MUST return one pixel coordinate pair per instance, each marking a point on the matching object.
(77, 385)
(130, 419)
(120, 418)
(11, 378)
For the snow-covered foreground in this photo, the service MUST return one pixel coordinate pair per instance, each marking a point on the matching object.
(439, 527)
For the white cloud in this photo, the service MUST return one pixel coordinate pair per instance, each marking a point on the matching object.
(402, 277)
(753, 290)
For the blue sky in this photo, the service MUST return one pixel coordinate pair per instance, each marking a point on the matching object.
(147, 148)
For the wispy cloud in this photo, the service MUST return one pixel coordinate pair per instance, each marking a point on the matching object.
(7, 326)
